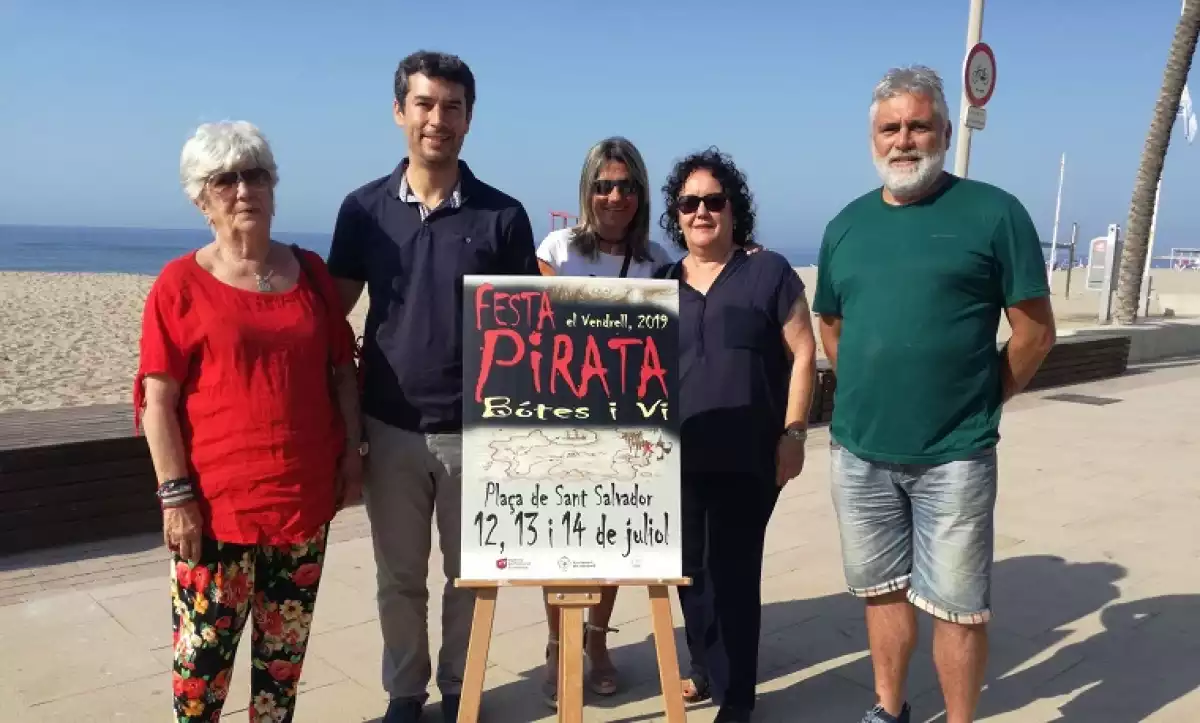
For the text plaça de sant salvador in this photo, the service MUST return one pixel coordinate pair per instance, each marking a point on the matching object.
(531, 311)
(532, 525)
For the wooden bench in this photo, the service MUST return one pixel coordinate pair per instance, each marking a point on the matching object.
(821, 411)
(1083, 358)
(72, 475)
(1072, 360)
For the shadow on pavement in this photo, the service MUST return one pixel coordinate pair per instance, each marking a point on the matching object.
(1137, 657)
(126, 545)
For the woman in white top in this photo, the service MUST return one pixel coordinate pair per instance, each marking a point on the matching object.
(613, 234)
(611, 239)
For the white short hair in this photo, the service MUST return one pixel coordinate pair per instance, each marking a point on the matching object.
(224, 146)
(914, 80)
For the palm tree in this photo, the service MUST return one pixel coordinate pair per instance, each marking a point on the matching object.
(1154, 153)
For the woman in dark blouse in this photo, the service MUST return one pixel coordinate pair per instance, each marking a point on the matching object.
(746, 378)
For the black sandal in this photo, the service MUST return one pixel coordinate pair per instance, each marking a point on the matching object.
(701, 691)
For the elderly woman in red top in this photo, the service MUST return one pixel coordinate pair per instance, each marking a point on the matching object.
(247, 397)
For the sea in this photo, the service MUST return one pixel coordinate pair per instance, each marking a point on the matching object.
(147, 250)
(112, 250)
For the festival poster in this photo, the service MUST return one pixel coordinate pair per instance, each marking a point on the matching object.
(570, 445)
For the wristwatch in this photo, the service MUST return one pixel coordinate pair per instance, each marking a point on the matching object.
(797, 432)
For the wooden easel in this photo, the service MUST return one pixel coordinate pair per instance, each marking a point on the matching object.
(571, 597)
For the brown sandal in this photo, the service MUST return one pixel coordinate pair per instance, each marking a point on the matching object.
(602, 679)
(550, 684)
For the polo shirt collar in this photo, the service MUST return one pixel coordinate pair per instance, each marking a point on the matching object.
(458, 195)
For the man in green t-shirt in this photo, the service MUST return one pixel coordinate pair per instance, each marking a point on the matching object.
(911, 283)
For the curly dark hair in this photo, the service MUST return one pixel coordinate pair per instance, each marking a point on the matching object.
(733, 183)
(442, 66)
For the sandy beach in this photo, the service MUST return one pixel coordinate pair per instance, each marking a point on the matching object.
(72, 339)
(69, 339)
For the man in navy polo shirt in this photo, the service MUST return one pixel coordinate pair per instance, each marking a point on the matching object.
(409, 237)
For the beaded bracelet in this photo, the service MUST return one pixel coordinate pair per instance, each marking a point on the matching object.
(175, 492)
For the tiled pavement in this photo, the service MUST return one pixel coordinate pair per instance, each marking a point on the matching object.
(1097, 597)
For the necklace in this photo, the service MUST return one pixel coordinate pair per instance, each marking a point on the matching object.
(264, 280)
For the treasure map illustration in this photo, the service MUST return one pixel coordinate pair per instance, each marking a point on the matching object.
(575, 455)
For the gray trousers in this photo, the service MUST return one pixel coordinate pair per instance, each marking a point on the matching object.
(409, 478)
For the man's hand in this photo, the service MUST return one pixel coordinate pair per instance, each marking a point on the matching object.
(789, 460)
(349, 479)
(181, 530)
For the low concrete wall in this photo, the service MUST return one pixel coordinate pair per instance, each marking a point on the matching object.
(1179, 304)
(1151, 340)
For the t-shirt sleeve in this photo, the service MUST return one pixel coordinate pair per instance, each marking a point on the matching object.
(163, 348)
(788, 290)
(1018, 251)
(518, 256)
(347, 257)
(548, 249)
(825, 298)
(341, 334)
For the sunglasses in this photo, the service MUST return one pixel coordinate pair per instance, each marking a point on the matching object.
(605, 187)
(714, 202)
(250, 176)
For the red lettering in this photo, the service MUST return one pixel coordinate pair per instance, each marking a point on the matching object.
(535, 360)
(592, 367)
(545, 312)
(507, 309)
(491, 338)
(498, 298)
(619, 345)
(479, 304)
(564, 349)
(651, 369)
(527, 297)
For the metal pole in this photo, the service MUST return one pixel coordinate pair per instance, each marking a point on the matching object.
(1112, 256)
(1071, 258)
(962, 151)
(1144, 300)
(1062, 170)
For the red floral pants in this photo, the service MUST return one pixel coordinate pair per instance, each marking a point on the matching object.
(276, 588)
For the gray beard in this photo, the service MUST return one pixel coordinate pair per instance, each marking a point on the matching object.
(909, 184)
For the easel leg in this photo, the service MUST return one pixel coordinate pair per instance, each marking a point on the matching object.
(570, 666)
(668, 661)
(570, 601)
(477, 654)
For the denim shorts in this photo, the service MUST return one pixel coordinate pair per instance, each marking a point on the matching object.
(927, 529)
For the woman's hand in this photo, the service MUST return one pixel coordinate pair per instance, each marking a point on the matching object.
(349, 479)
(789, 459)
(181, 530)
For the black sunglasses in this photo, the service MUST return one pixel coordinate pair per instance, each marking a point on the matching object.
(605, 187)
(251, 177)
(714, 202)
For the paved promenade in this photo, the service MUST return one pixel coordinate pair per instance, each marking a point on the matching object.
(1097, 596)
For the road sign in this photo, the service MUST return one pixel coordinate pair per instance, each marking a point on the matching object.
(976, 118)
(979, 74)
(1097, 260)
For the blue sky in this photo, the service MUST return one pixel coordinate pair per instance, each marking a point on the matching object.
(99, 97)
